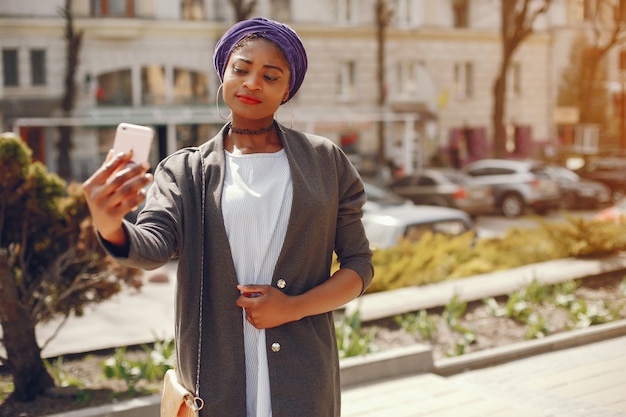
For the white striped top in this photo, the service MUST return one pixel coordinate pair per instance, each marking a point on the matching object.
(256, 202)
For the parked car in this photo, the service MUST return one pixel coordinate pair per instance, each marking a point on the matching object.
(447, 188)
(385, 227)
(577, 192)
(517, 185)
(379, 196)
(611, 171)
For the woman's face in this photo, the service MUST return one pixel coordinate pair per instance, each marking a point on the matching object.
(256, 80)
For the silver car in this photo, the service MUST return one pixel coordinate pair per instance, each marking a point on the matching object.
(386, 226)
(446, 187)
(517, 185)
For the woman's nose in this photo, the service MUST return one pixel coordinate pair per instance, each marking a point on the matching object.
(252, 82)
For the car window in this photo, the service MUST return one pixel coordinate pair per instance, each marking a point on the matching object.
(402, 182)
(540, 173)
(491, 171)
(455, 177)
(566, 173)
(425, 181)
(450, 227)
(415, 232)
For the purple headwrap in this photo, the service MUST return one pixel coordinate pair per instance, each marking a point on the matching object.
(280, 34)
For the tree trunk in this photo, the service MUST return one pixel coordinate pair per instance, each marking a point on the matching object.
(383, 16)
(64, 145)
(30, 376)
(499, 137)
(591, 62)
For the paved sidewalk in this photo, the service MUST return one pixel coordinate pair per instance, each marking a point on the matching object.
(586, 381)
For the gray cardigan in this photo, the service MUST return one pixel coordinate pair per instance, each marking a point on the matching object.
(181, 221)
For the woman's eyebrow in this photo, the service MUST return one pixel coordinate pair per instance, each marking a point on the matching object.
(247, 61)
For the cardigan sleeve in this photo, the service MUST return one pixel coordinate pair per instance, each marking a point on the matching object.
(155, 239)
(351, 243)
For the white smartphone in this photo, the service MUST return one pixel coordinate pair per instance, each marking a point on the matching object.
(136, 137)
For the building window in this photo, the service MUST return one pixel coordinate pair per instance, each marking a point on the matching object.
(192, 135)
(407, 79)
(589, 10)
(514, 80)
(115, 88)
(190, 87)
(347, 11)
(113, 8)
(347, 81)
(192, 9)
(38, 67)
(281, 10)
(463, 80)
(153, 85)
(9, 67)
(460, 12)
(407, 13)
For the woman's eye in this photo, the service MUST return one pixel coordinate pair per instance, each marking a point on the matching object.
(238, 70)
(271, 78)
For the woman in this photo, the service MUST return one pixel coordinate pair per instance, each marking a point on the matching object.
(253, 215)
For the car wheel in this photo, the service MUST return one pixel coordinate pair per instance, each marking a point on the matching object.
(512, 205)
(618, 194)
(568, 201)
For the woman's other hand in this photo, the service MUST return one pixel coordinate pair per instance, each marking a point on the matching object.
(265, 306)
(114, 190)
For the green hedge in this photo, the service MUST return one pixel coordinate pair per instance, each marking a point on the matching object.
(436, 258)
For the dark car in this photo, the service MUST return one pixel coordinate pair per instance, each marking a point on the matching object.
(517, 185)
(577, 192)
(447, 188)
(379, 196)
(609, 170)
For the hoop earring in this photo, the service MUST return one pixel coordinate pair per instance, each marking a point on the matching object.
(217, 104)
(292, 116)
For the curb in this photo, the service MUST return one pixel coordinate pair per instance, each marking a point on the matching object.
(379, 305)
(148, 406)
(402, 361)
(497, 356)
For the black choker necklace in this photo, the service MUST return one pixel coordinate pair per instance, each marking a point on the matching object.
(245, 131)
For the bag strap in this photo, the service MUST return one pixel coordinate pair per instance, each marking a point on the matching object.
(197, 403)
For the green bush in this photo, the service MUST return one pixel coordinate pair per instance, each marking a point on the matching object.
(438, 257)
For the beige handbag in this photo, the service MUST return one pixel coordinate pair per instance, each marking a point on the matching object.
(176, 400)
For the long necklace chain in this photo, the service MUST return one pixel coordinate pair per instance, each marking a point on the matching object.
(245, 131)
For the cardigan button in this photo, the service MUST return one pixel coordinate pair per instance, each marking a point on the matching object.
(275, 347)
(281, 283)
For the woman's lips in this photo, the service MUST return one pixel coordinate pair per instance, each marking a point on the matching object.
(248, 99)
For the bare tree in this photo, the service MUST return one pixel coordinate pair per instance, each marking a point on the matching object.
(517, 20)
(242, 8)
(608, 30)
(383, 14)
(73, 41)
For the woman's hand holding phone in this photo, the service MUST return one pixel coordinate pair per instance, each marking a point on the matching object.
(116, 188)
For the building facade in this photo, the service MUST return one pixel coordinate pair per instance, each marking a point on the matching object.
(150, 62)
